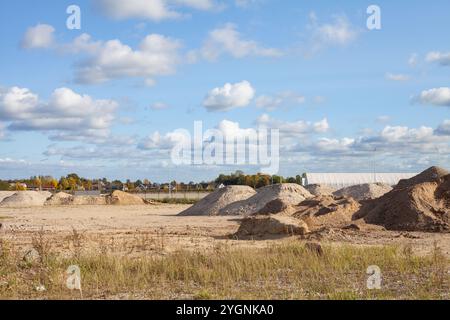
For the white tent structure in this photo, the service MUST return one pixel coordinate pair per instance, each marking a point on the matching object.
(342, 180)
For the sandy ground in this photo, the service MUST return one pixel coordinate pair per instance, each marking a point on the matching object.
(136, 230)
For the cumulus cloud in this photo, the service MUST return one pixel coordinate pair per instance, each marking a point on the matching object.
(162, 142)
(156, 55)
(397, 77)
(155, 10)
(441, 58)
(444, 128)
(230, 96)
(228, 40)
(279, 100)
(436, 96)
(294, 128)
(40, 36)
(66, 116)
(339, 32)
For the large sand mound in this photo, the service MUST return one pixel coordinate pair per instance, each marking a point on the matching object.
(320, 190)
(421, 203)
(125, 199)
(364, 191)
(60, 199)
(327, 211)
(289, 193)
(89, 201)
(270, 227)
(213, 203)
(5, 194)
(433, 174)
(23, 199)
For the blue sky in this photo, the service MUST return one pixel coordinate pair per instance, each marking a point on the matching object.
(106, 99)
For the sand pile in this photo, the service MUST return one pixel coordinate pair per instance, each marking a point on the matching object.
(60, 199)
(5, 194)
(421, 203)
(270, 227)
(125, 199)
(23, 199)
(277, 206)
(320, 190)
(433, 174)
(289, 193)
(213, 203)
(327, 211)
(89, 201)
(364, 191)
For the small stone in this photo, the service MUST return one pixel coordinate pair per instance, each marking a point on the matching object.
(41, 288)
(31, 256)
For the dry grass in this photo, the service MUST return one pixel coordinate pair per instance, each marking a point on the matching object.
(287, 271)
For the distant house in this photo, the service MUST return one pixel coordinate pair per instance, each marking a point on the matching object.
(342, 180)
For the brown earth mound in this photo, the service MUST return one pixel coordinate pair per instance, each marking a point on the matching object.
(289, 193)
(60, 199)
(421, 203)
(90, 201)
(213, 203)
(433, 174)
(23, 199)
(327, 211)
(5, 194)
(364, 191)
(320, 190)
(121, 198)
(270, 227)
(276, 206)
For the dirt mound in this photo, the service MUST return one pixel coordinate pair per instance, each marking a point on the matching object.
(320, 190)
(270, 227)
(327, 211)
(213, 203)
(364, 191)
(89, 201)
(289, 193)
(276, 206)
(5, 194)
(125, 199)
(60, 199)
(433, 174)
(414, 205)
(23, 199)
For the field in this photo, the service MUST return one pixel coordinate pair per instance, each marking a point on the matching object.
(148, 252)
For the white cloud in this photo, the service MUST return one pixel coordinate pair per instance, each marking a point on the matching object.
(413, 59)
(439, 57)
(444, 128)
(228, 40)
(65, 116)
(436, 96)
(295, 128)
(397, 77)
(158, 142)
(155, 10)
(229, 96)
(38, 37)
(282, 99)
(246, 3)
(159, 106)
(156, 55)
(340, 32)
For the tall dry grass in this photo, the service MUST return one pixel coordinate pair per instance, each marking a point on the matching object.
(287, 271)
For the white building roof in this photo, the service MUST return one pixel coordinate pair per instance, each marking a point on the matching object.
(342, 180)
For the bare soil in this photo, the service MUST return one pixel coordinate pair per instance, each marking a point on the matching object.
(137, 230)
